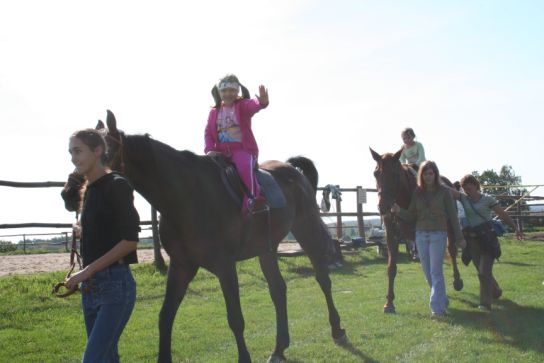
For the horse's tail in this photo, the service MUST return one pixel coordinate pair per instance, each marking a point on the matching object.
(307, 167)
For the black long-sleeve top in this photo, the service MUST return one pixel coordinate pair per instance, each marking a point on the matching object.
(108, 217)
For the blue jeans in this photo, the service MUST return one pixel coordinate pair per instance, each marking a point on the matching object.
(107, 306)
(431, 246)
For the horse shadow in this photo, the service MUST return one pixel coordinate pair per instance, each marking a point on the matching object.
(510, 323)
(349, 266)
(519, 264)
(357, 353)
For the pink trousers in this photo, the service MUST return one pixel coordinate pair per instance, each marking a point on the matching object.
(245, 165)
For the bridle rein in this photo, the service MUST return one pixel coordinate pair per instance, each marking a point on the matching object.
(74, 256)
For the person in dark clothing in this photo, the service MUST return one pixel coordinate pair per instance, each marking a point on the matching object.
(109, 236)
(483, 244)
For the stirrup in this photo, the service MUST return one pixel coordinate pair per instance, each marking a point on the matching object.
(251, 206)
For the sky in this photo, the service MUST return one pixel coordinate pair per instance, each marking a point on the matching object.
(343, 76)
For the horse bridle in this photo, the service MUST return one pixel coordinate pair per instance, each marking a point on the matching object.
(382, 191)
(119, 154)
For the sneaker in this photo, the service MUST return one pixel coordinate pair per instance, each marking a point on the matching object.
(484, 308)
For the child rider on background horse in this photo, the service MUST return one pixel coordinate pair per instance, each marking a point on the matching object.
(228, 131)
(412, 150)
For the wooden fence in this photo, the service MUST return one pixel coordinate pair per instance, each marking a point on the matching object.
(518, 214)
(360, 200)
(339, 214)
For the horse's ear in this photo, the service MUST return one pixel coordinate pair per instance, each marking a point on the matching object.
(397, 154)
(111, 122)
(100, 125)
(375, 155)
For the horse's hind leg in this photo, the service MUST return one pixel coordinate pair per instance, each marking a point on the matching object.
(179, 276)
(228, 279)
(278, 293)
(313, 238)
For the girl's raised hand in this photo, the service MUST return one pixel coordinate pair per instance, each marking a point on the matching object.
(263, 96)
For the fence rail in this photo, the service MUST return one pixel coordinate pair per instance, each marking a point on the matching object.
(519, 215)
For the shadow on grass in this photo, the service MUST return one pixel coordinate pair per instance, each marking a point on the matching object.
(352, 264)
(357, 353)
(521, 327)
(521, 264)
(296, 266)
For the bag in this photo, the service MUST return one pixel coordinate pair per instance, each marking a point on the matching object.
(498, 227)
(465, 253)
(487, 239)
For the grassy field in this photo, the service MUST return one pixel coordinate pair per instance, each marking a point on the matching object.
(36, 327)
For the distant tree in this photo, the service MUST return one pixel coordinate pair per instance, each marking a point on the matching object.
(506, 181)
(6, 246)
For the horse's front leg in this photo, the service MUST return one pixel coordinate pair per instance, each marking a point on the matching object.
(278, 293)
(393, 251)
(452, 250)
(180, 274)
(228, 278)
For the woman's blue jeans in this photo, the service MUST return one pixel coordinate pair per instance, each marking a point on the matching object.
(107, 299)
(431, 246)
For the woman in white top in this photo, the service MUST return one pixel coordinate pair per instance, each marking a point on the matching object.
(481, 239)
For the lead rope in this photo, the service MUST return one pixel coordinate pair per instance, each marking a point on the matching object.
(74, 256)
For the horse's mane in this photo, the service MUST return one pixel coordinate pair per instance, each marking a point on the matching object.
(147, 147)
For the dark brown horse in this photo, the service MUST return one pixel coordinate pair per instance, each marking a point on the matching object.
(201, 226)
(396, 184)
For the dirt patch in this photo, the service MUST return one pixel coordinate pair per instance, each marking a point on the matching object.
(535, 236)
(50, 262)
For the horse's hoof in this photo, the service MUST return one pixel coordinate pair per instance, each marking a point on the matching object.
(389, 309)
(497, 294)
(341, 340)
(458, 285)
(276, 358)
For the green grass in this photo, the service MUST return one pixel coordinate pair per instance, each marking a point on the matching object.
(36, 327)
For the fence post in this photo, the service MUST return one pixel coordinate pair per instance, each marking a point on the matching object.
(24, 244)
(66, 241)
(159, 260)
(361, 197)
(520, 219)
(339, 233)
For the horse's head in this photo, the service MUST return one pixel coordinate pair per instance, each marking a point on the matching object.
(114, 141)
(72, 193)
(388, 174)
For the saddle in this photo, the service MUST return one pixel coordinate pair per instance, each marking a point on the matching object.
(270, 188)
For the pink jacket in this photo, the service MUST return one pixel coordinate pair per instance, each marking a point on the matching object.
(245, 109)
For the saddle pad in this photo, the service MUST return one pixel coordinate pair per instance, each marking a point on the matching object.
(270, 189)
